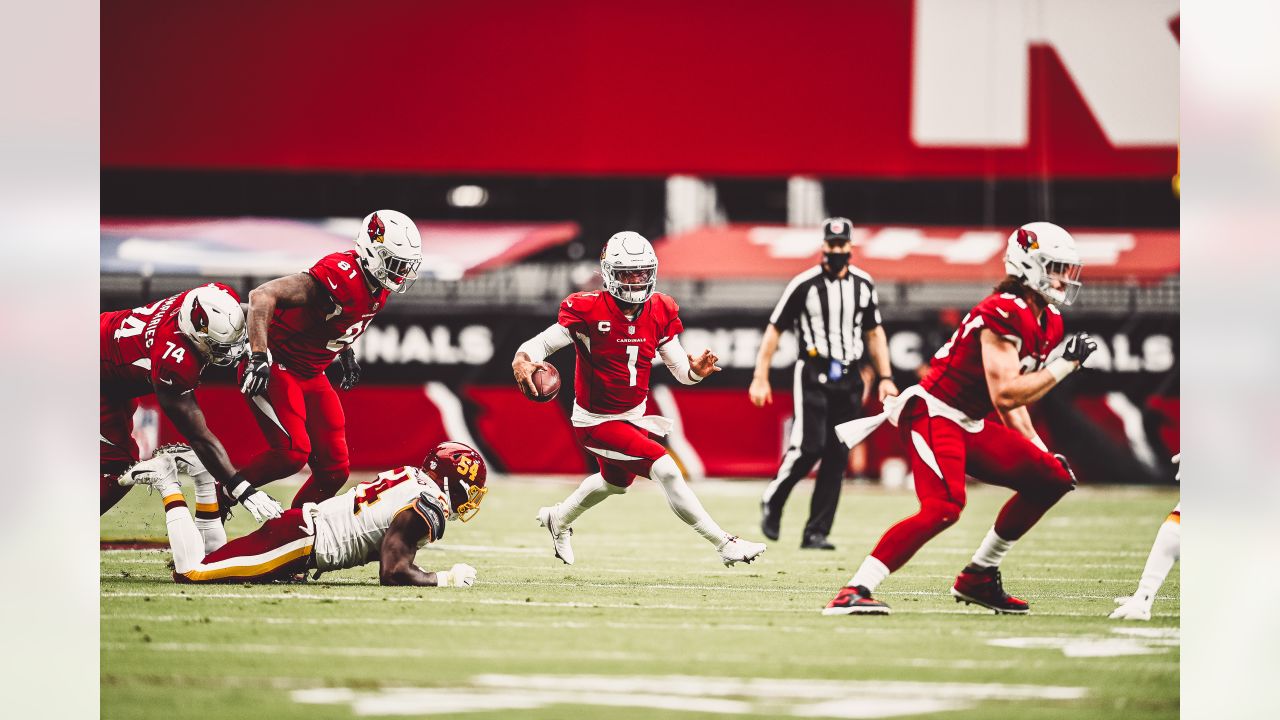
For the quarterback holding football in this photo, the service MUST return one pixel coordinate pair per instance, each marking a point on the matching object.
(617, 334)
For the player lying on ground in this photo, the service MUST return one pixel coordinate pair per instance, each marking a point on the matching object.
(617, 334)
(163, 348)
(1164, 553)
(998, 359)
(385, 520)
(298, 325)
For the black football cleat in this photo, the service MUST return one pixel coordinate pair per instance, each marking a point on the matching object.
(816, 542)
(770, 521)
(855, 601)
(982, 586)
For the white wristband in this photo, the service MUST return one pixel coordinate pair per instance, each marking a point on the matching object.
(1039, 443)
(442, 578)
(1061, 368)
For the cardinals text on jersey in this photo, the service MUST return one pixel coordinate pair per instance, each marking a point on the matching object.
(143, 347)
(956, 374)
(350, 526)
(306, 339)
(615, 354)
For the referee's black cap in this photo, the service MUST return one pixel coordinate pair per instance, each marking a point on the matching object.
(837, 231)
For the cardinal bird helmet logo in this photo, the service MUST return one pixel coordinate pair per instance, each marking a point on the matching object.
(376, 229)
(1027, 239)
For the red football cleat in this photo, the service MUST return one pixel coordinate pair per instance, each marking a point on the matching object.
(983, 587)
(855, 601)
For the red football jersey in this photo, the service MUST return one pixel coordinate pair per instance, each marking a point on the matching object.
(143, 348)
(304, 340)
(615, 354)
(956, 375)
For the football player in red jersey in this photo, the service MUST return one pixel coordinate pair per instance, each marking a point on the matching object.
(385, 520)
(300, 323)
(163, 348)
(617, 334)
(997, 360)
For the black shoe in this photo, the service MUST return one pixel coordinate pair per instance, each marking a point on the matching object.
(770, 522)
(816, 542)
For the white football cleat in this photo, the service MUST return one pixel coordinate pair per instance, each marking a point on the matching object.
(1132, 608)
(159, 470)
(736, 550)
(559, 537)
(185, 457)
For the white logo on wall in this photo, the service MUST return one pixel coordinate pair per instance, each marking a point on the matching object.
(438, 345)
(974, 247)
(1122, 57)
(1116, 353)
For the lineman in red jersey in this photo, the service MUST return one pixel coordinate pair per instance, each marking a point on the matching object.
(298, 324)
(998, 359)
(617, 335)
(163, 348)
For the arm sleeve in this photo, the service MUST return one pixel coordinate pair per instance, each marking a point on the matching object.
(789, 305)
(541, 346)
(677, 361)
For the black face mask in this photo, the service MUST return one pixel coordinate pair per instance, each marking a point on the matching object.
(835, 262)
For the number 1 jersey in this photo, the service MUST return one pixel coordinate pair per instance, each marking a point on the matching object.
(304, 340)
(615, 354)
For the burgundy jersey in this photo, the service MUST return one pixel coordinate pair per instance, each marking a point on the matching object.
(956, 375)
(143, 348)
(615, 354)
(304, 340)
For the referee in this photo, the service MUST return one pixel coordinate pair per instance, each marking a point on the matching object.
(831, 308)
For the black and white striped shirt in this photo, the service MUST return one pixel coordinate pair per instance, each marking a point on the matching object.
(829, 316)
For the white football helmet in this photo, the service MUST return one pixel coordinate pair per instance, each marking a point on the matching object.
(1044, 255)
(214, 322)
(629, 267)
(390, 249)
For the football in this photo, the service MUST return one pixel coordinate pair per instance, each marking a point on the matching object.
(546, 380)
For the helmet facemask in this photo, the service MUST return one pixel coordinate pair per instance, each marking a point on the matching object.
(630, 284)
(393, 272)
(1059, 280)
(214, 323)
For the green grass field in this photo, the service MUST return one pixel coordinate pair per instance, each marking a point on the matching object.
(648, 623)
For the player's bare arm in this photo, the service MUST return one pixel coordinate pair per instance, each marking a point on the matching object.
(399, 547)
(289, 291)
(760, 392)
(1019, 419)
(184, 412)
(1009, 388)
(878, 349)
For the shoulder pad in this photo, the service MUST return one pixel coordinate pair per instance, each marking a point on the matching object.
(581, 301)
(430, 510)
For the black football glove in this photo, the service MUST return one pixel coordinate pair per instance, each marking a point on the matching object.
(1079, 347)
(350, 369)
(1066, 466)
(257, 373)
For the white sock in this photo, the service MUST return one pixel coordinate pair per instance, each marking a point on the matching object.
(684, 503)
(589, 494)
(211, 529)
(992, 550)
(184, 539)
(870, 574)
(1164, 552)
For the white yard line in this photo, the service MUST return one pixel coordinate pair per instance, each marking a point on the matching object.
(451, 597)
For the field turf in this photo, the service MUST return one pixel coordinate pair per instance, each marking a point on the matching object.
(648, 623)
